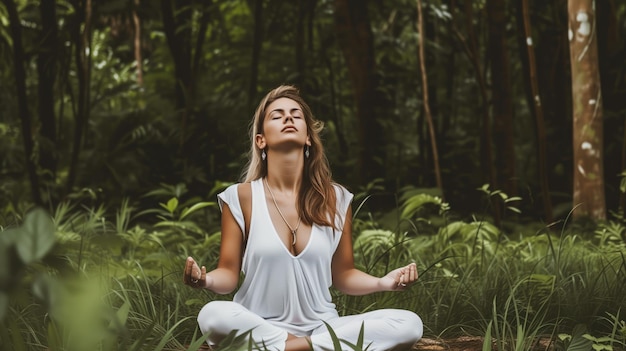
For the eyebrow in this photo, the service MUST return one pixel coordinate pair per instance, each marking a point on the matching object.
(282, 110)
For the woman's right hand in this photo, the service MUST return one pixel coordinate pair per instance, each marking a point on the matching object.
(195, 276)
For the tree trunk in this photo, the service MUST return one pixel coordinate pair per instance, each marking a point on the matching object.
(22, 102)
(177, 28)
(553, 77)
(588, 197)
(486, 149)
(300, 43)
(611, 56)
(501, 97)
(257, 45)
(46, 69)
(355, 37)
(334, 115)
(82, 40)
(536, 107)
(198, 51)
(429, 117)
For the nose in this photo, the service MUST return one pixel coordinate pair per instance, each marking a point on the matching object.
(288, 117)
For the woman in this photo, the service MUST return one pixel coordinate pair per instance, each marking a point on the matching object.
(287, 227)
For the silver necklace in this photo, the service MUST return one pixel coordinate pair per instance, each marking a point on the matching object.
(293, 231)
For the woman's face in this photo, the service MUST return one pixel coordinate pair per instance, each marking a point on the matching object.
(284, 125)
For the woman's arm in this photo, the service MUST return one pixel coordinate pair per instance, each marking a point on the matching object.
(351, 281)
(225, 277)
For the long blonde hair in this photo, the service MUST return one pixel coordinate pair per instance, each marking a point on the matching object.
(317, 198)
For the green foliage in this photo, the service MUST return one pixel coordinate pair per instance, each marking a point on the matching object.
(21, 247)
(337, 343)
(503, 198)
(122, 267)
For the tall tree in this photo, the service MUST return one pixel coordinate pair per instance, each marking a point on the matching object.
(300, 43)
(177, 17)
(588, 192)
(612, 55)
(501, 96)
(257, 45)
(22, 102)
(426, 101)
(46, 68)
(534, 100)
(471, 49)
(177, 28)
(555, 92)
(81, 36)
(354, 34)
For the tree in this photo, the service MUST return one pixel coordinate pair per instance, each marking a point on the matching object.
(429, 117)
(257, 45)
(81, 36)
(534, 100)
(46, 68)
(501, 97)
(588, 192)
(355, 37)
(20, 86)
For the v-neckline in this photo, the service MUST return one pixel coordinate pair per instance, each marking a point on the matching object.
(276, 235)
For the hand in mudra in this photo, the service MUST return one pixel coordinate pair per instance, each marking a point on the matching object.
(194, 275)
(400, 278)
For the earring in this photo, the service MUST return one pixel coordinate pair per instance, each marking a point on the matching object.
(263, 155)
(306, 151)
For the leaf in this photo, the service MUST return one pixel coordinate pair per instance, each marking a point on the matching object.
(514, 209)
(171, 205)
(192, 209)
(334, 338)
(414, 203)
(487, 341)
(36, 236)
(122, 313)
(579, 342)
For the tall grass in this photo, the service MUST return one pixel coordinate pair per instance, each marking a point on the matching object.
(113, 280)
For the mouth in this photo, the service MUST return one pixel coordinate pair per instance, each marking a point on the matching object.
(289, 128)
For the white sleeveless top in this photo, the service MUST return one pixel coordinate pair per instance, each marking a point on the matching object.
(291, 292)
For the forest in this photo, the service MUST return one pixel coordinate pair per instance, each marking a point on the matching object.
(484, 140)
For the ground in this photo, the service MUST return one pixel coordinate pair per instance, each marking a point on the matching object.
(462, 343)
(468, 343)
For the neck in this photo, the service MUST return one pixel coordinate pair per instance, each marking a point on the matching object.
(284, 171)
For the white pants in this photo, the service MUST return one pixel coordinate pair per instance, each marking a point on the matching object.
(388, 329)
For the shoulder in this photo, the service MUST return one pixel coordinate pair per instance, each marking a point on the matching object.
(344, 196)
(227, 193)
(245, 191)
(341, 190)
(239, 191)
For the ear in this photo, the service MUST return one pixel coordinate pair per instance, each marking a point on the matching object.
(308, 141)
(259, 140)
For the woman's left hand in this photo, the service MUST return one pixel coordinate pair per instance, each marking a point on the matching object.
(400, 278)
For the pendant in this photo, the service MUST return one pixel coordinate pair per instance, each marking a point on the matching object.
(293, 233)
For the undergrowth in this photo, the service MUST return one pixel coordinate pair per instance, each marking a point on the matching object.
(92, 278)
